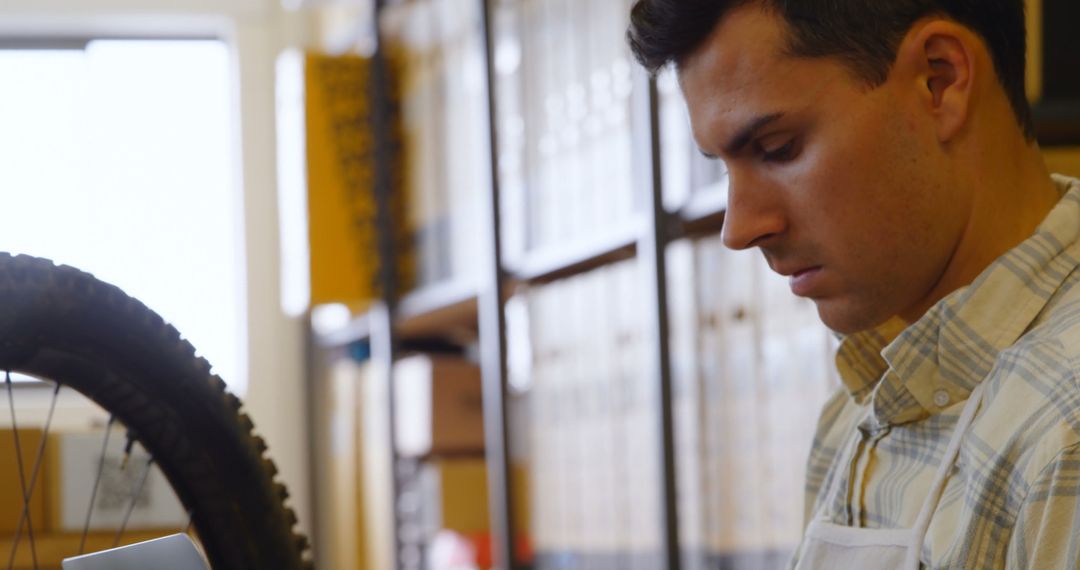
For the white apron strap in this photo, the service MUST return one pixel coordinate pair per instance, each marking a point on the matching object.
(922, 522)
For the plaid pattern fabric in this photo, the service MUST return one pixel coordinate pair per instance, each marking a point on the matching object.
(1013, 498)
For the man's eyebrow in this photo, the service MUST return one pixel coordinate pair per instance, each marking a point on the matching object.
(747, 133)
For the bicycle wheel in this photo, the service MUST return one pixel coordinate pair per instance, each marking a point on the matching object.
(61, 324)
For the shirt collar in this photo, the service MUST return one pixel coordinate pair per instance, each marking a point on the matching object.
(913, 372)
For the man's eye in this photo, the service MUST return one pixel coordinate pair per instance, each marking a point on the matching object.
(782, 154)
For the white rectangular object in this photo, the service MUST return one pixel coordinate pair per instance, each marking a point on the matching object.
(156, 506)
(173, 552)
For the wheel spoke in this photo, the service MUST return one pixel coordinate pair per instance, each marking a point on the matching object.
(22, 476)
(25, 518)
(134, 501)
(97, 481)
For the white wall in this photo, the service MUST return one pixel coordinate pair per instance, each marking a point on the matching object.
(257, 30)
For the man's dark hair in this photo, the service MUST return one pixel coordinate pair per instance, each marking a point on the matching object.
(864, 34)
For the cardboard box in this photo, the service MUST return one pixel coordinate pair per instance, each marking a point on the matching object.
(439, 405)
(11, 497)
(455, 496)
(455, 500)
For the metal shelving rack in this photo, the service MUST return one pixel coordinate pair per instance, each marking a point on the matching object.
(436, 309)
(433, 309)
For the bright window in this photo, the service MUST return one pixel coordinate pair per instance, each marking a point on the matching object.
(121, 159)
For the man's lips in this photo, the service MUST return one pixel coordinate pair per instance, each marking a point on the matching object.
(802, 281)
(793, 270)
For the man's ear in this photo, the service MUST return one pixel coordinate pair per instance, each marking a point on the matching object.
(940, 59)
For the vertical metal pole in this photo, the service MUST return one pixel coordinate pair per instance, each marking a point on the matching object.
(652, 255)
(493, 337)
(383, 334)
(314, 379)
(382, 355)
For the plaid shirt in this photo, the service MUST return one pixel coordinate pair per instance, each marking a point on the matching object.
(1013, 498)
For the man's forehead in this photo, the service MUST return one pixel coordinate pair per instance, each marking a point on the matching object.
(742, 61)
(738, 75)
(747, 38)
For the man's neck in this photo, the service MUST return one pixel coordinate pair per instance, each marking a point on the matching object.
(1012, 193)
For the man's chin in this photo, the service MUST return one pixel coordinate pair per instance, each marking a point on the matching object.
(845, 318)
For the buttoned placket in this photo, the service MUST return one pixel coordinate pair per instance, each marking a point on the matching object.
(859, 470)
(839, 547)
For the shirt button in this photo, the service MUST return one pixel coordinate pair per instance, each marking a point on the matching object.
(941, 398)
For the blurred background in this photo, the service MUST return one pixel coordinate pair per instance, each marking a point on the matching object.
(573, 375)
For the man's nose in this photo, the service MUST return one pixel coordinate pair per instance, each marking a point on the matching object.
(754, 214)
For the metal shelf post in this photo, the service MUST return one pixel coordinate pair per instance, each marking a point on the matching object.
(383, 314)
(492, 318)
(652, 253)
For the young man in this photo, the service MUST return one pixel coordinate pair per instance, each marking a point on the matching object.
(881, 154)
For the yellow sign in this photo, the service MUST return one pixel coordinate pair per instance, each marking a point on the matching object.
(341, 183)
